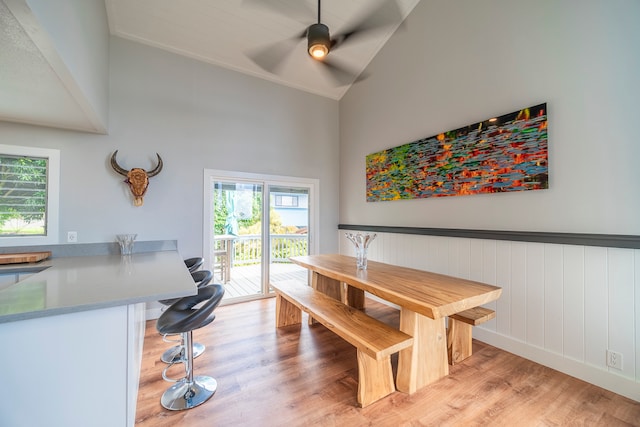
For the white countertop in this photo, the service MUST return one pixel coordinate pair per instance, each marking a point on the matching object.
(79, 283)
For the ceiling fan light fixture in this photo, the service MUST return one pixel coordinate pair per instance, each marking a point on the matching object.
(319, 41)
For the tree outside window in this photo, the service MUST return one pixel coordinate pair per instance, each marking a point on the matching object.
(23, 195)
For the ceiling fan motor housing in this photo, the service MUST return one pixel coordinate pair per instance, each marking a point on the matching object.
(319, 41)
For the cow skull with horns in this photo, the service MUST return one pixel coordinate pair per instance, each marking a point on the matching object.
(137, 178)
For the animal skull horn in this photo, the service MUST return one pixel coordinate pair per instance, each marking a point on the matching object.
(137, 178)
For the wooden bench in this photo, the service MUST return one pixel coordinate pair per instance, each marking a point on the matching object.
(459, 332)
(375, 341)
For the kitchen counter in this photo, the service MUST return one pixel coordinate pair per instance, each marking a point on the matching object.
(73, 330)
(78, 283)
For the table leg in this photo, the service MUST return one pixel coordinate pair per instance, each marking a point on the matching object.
(327, 285)
(349, 295)
(426, 361)
(354, 297)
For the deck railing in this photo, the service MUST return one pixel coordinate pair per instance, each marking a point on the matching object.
(247, 249)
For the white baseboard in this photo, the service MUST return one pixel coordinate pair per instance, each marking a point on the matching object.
(575, 368)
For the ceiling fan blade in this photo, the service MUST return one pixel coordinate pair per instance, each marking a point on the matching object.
(339, 73)
(295, 9)
(272, 57)
(385, 15)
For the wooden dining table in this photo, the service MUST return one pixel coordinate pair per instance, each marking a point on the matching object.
(424, 299)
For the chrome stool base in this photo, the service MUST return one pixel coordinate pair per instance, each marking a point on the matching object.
(174, 354)
(185, 395)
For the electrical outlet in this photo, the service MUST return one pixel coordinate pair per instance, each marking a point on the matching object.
(614, 360)
(72, 237)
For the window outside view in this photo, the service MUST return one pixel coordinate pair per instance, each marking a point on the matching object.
(23, 195)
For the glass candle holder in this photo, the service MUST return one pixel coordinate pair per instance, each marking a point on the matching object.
(126, 243)
(361, 242)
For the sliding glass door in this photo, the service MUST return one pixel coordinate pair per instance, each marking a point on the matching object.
(288, 230)
(253, 225)
(236, 242)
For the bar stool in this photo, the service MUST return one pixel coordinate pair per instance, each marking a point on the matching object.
(183, 317)
(194, 263)
(175, 353)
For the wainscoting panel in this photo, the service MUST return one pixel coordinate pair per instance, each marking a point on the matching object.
(553, 298)
(573, 307)
(621, 306)
(534, 290)
(562, 305)
(596, 310)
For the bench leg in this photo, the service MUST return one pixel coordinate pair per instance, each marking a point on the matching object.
(458, 341)
(286, 312)
(375, 379)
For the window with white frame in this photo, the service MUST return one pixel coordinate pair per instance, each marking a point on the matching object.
(29, 192)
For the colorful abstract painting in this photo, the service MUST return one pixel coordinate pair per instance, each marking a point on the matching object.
(506, 153)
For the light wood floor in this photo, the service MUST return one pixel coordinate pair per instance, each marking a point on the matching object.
(307, 376)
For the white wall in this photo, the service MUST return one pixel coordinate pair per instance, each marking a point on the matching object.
(464, 61)
(195, 116)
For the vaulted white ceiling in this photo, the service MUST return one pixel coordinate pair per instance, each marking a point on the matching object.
(37, 87)
(223, 32)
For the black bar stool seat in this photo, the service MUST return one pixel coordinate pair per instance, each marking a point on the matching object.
(175, 353)
(194, 263)
(183, 317)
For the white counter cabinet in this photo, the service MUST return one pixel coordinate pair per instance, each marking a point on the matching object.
(78, 369)
(72, 338)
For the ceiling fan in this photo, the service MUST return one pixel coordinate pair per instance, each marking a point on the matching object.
(319, 41)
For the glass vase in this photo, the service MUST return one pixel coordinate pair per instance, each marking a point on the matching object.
(361, 242)
(126, 243)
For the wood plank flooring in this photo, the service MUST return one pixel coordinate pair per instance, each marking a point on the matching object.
(307, 376)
